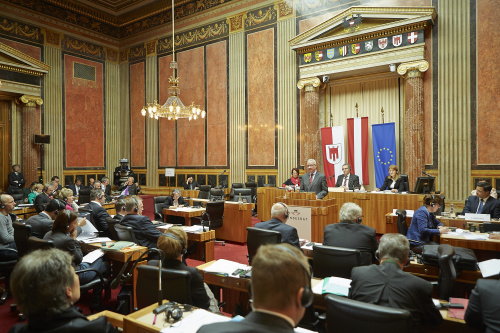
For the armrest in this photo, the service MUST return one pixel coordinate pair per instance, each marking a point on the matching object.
(99, 274)
(114, 318)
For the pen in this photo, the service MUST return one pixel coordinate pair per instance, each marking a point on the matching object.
(154, 320)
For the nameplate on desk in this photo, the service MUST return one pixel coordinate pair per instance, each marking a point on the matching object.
(336, 189)
(478, 217)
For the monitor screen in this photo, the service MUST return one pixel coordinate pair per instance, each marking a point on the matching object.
(424, 185)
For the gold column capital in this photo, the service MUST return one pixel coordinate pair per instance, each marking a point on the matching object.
(413, 69)
(310, 84)
(31, 100)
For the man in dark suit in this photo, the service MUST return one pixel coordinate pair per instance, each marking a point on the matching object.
(56, 180)
(105, 186)
(484, 308)
(279, 216)
(16, 179)
(44, 198)
(129, 187)
(120, 210)
(173, 202)
(314, 181)
(482, 202)
(76, 186)
(42, 223)
(351, 234)
(99, 214)
(191, 184)
(144, 230)
(387, 285)
(348, 180)
(277, 306)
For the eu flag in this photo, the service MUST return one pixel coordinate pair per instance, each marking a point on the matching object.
(384, 150)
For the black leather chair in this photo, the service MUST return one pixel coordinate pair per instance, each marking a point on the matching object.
(257, 237)
(213, 217)
(111, 227)
(176, 285)
(447, 272)
(246, 194)
(334, 261)
(349, 316)
(253, 187)
(22, 232)
(18, 198)
(6, 268)
(125, 233)
(406, 183)
(84, 196)
(158, 202)
(233, 186)
(216, 194)
(40, 244)
(403, 226)
(204, 192)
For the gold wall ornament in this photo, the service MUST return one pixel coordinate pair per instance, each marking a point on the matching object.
(410, 67)
(310, 84)
(31, 100)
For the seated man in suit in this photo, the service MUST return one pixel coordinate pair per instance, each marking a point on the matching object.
(314, 181)
(483, 309)
(351, 234)
(105, 186)
(91, 183)
(281, 291)
(482, 202)
(42, 223)
(144, 230)
(348, 180)
(16, 179)
(41, 200)
(279, 216)
(99, 214)
(120, 210)
(173, 202)
(387, 285)
(129, 187)
(76, 186)
(56, 180)
(191, 184)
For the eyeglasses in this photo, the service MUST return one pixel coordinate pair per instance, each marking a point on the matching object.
(345, 168)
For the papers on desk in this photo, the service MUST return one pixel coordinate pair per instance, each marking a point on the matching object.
(309, 246)
(333, 285)
(93, 239)
(91, 257)
(194, 229)
(84, 236)
(489, 267)
(24, 205)
(474, 236)
(457, 232)
(409, 212)
(225, 267)
(89, 227)
(194, 321)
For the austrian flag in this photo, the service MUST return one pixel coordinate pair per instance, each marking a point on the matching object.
(357, 147)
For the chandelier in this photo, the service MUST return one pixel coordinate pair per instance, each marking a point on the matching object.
(173, 107)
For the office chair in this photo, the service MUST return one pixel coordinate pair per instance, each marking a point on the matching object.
(22, 232)
(213, 217)
(349, 316)
(253, 187)
(125, 233)
(403, 226)
(246, 194)
(176, 285)
(158, 202)
(6, 268)
(334, 261)
(234, 186)
(40, 244)
(406, 183)
(216, 194)
(447, 272)
(111, 227)
(257, 237)
(84, 196)
(204, 192)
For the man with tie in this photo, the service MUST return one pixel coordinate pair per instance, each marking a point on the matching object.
(314, 181)
(129, 187)
(41, 200)
(482, 202)
(16, 179)
(76, 186)
(105, 186)
(348, 180)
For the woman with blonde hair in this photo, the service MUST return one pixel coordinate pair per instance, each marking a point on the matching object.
(66, 195)
(393, 182)
(35, 190)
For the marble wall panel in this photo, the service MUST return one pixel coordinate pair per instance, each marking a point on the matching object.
(137, 121)
(217, 104)
(428, 114)
(488, 82)
(191, 134)
(261, 106)
(84, 115)
(32, 51)
(166, 132)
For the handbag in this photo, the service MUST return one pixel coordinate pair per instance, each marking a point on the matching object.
(464, 259)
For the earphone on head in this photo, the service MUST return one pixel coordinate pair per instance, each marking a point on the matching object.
(2, 205)
(60, 206)
(307, 295)
(287, 213)
(136, 209)
(171, 235)
(69, 222)
(432, 202)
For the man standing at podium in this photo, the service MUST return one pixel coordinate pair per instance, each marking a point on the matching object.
(314, 181)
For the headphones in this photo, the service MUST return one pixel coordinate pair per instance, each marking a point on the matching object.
(287, 213)
(432, 202)
(2, 205)
(136, 209)
(60, 206)
(307, 295)
(69, 222)
(359, 220)
(171, 235)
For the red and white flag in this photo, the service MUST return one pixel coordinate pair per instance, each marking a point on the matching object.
(332, 141)
(357, 147)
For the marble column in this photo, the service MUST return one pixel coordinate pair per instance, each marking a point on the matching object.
(414, 142)
(30, 153)
(309, 127)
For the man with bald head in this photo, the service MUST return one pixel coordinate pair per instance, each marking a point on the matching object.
(279, 216)
(7, 205)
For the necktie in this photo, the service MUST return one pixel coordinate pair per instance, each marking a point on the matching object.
(126, 191)
(480, 208)
(345, 181)
(311, 179)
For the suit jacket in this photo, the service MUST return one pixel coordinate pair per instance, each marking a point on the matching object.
(70, 320)
(99, 215)
(191, 186)
(40, 224)
(423, 226)
(491, 206)
(19, 178)
(118, 217)
(169, 201)
(388, 285)
(66, 243)
(288, 233)
(107, 190)
(400, 184)
(132, 190)
(318, 186)
(199, 294)
(353, 181)
(41, 202)
(73, 188)
(254, 322)
(144, 230)
(352, 236)
(484, 308)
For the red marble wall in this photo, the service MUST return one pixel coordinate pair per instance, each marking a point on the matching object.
(488, 82)
(166, 144)
(428, 112)
(191, 134)
(84, 116)
(217, 104)
(261, 105)
(32, 51)
(137, 121)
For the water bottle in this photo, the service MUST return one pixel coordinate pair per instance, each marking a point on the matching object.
(452, 212)
(240, 201)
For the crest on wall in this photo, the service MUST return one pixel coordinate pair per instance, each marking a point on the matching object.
(343, 50)
(369, 45)
(397, 40)
(412, 37)
(330, 53)
(307, 57)
(355, 48)
(382, 43)
(318, 55)
(352, 24)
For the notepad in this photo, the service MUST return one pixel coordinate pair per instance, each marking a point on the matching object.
(91, 257)
(118, 246)
(337, 286)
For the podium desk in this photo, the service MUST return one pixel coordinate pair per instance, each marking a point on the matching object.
(120, 256)
(187, 214)
(237, 218)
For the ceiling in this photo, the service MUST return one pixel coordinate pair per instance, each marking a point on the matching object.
(116, 7)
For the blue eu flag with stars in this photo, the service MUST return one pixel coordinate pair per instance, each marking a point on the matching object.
(384, 150)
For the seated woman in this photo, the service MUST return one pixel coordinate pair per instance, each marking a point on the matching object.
(424, 224)
(66, 195)
(63, 234)
(45, 287)
(173, 243)
(36, 189)
(393, 182)
(293, 181)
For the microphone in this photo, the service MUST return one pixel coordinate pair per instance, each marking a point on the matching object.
(330, 177)
(430, 176)
(220, 174)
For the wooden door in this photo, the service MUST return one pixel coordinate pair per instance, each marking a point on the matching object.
(5, 147)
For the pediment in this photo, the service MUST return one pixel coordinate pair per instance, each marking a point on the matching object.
(16, 61)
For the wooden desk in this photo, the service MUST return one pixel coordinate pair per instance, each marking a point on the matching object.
(392, 220)
(120, 256)
(110, 208)
(237, 218)
(485, 245)
(116, 319)
(187, 214)
(24, 213)
(205, 241)
(142, 321)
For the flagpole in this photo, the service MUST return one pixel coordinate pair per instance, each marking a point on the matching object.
(382, 111)
(356, 110)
